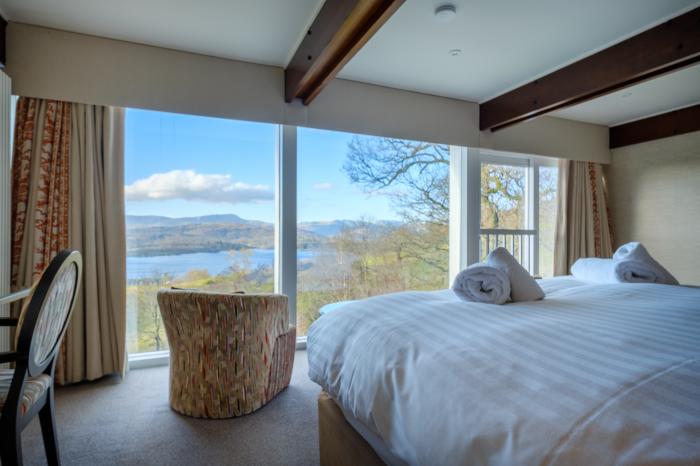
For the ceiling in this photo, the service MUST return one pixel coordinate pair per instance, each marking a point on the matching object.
(258, 31)
(668, 92)
(503, 43)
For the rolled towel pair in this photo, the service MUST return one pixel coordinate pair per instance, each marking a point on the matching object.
(499, 279)
(631, 263)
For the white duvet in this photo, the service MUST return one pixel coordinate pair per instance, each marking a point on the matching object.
(591, 375)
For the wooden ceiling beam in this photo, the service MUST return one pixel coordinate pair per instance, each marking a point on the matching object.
(339, 31)
(669, 46)
(685, 120)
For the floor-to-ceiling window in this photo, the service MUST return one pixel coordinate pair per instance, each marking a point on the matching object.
(372, 218)
(199, 211)
(372, 214)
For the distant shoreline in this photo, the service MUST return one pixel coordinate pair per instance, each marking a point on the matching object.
(186, 251)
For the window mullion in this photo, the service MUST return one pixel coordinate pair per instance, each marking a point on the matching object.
(465, 192)
(533, 214)
(286, 217)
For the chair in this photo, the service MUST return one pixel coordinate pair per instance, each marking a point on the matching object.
(230, 354)
(27, 390)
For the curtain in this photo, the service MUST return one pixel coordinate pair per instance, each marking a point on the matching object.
(67, 192)
(95, 341)
(40, 188)
(583, 220)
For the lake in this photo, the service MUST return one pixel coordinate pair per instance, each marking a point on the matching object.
(213, 262)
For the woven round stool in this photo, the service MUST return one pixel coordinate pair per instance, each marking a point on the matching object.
(229, 353)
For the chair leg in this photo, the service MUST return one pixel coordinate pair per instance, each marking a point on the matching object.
(11, 448)
(48, 431)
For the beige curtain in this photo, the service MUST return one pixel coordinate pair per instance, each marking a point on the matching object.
(95, 341)
(67, 192)
(583, 222)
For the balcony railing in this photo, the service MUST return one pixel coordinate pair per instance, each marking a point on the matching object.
(522, 244)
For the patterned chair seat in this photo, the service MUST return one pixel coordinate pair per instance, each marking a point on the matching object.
(34, 388)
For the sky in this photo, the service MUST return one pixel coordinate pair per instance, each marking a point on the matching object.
(184, 165)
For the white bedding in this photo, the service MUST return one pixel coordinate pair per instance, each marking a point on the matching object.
(591, 375)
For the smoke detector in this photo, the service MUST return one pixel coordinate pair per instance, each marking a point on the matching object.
(445, 12)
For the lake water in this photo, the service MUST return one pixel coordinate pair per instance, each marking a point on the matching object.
(213, 262)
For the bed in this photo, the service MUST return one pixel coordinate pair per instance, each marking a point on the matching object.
(593, 374)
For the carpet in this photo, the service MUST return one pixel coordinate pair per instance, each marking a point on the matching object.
(130, 422)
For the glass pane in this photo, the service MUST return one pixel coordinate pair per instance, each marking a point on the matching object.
(503, 196)
(548, 218)
(372, 218)
(200, 211)
(503, 207)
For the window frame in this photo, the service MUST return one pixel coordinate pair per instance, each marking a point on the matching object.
(532, 164)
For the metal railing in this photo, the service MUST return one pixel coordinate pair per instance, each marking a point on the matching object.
(522, 244)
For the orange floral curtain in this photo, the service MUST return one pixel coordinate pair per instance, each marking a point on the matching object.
(583, 221)
(40, 187)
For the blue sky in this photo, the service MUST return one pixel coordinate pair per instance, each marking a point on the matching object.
(182, 165)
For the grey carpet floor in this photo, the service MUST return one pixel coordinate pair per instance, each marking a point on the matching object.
(130, 423)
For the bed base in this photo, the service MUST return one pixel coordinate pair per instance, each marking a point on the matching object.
(339, 443)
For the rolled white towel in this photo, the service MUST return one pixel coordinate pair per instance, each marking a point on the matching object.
(522, 286)
(482, 284)
(637, 265)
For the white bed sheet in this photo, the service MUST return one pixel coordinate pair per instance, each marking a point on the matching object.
(593, 374)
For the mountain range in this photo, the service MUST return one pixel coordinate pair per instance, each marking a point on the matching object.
(151, 235)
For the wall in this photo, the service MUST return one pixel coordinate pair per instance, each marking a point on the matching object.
(655, 199)
(553, 137)
(62, 65)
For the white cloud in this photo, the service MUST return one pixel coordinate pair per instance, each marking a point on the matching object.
(323, 186)
(190, 185)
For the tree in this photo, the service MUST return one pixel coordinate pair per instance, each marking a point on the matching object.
(502, 196)
(416, 177)
(415, 174)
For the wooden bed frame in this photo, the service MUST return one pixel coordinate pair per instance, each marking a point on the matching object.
(339, 443)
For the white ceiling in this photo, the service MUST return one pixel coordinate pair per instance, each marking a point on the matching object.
(504, 43)
(259, 31)
(668, 92)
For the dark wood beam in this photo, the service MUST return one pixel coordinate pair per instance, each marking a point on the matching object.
(3, 42)
(685, 120)
(339, 31)
(671, 45)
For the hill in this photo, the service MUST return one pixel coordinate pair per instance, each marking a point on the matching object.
(161, 221)
(153, 235)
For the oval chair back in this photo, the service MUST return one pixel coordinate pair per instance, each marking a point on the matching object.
(49, 311)
(40, 328)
